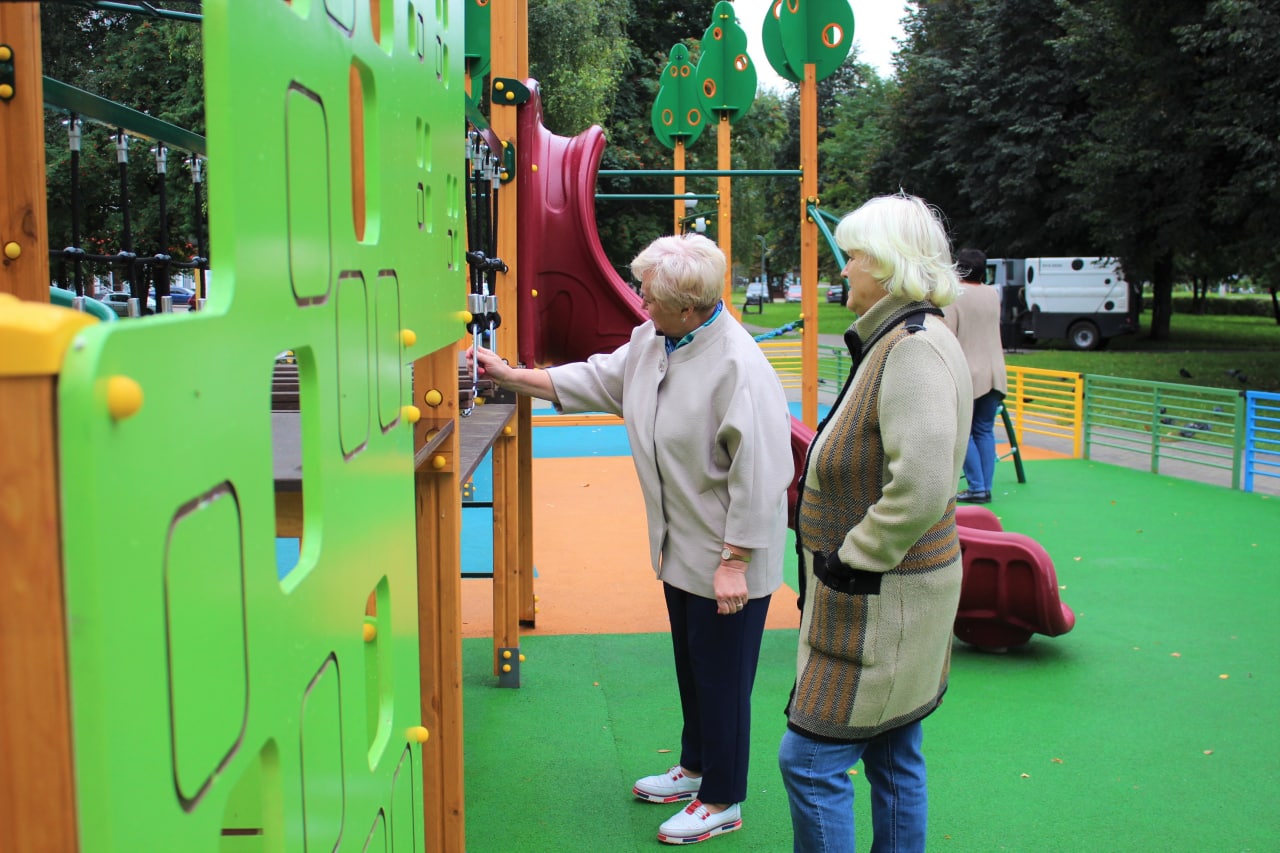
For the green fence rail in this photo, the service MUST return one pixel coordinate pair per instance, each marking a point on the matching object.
(1166, 422)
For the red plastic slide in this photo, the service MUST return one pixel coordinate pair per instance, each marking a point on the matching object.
(582, 306)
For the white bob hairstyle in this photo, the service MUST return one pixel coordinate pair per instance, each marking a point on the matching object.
(683, 272)
(906, 247)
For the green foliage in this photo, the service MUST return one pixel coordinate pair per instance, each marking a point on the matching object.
(1240, 306)
(148, 64)
(577, 53)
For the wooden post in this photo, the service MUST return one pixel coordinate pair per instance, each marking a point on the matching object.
(37, 776)
(24, 230)
(37, 794)
(809, 246)
(512, 517)
(724, 186)
(438, 499)
(681, 209)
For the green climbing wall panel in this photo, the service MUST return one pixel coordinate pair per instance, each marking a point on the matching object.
(217, 706)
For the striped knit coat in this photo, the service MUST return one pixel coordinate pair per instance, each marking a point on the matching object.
(880, 559)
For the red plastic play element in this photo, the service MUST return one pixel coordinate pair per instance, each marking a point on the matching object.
(1010, 590)
(582, 305)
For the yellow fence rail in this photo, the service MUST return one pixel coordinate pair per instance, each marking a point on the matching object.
(1049, 403)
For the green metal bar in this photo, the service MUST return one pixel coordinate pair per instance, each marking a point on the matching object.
(89, 105)
(1238, 445)
(699, 173)
(148, 9)
(1014, 450)
(819, 217)
(654, 196)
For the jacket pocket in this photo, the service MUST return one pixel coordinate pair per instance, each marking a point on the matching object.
(837, 576)
(843, 624)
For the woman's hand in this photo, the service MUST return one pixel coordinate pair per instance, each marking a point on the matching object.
(730, 584)
(491, 367)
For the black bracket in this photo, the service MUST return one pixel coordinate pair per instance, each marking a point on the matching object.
(508, 92)
(508, 173)
(509, 667)
(8, 85)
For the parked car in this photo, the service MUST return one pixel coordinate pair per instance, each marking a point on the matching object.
(794, 293)
(836, 293)
(118, 301)
(181, 295)
(757, 295)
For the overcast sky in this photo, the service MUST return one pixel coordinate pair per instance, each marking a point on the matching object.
(876, 24)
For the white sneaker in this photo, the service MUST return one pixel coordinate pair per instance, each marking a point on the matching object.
(695, 823)
(669, 787)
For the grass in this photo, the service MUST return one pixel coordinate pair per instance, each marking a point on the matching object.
(1216, 350)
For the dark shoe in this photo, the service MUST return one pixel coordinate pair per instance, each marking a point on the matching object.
(971, 497)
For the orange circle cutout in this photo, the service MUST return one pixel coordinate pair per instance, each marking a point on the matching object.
(709, 88)
(684, 70)
(694, 118)
(741, 62)
(717, 34)
(668, 117)
(832, 35)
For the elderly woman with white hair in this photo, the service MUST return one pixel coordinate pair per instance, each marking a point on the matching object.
(710, 432)
(880, 559)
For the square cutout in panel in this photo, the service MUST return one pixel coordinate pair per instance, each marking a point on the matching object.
(292, 371)
(323, 796)
(378, 671)
(307, 190)
(404, 805)
(342, 13)
(205, 628)
(353, 363)
(387, 349)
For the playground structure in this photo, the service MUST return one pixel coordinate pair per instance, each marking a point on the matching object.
(166, 683)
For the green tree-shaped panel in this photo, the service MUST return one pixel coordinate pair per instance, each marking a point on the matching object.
(799, 32)
(677, 111)
(726, 75)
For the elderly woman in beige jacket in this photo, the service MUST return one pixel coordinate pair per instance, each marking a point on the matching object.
(709, 429)
(880, 559)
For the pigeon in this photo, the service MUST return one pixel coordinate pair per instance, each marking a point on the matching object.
(1235, 371)
(1242, 377)
(1184, 373)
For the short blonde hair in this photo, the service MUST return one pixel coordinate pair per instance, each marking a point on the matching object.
(683, 272)
(906, 246)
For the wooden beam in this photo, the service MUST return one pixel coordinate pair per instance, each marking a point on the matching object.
(809, 246)
(37, 789)
(438, 498)
(24, 230)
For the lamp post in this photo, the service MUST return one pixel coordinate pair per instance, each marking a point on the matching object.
(764, 247)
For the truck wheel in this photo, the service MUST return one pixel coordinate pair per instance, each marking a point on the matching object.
(1083, 335)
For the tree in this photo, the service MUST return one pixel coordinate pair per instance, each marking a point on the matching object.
(1237, 46)
(146, 63)
(577, 53)
(1142, 171)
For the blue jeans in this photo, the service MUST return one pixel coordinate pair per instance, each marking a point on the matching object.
(821, 793)
(980, 458)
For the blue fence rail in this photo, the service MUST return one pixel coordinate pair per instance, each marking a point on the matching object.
(1262, 437)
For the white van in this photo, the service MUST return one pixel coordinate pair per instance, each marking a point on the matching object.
(1082, 300)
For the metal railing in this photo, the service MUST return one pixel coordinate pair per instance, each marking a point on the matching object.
(1047, 403)
(1169, 423)
(1262, 437)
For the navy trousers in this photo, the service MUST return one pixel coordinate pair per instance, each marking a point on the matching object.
(716, 658)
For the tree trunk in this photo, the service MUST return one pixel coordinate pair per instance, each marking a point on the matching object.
(1161, 297)
(1275, 305)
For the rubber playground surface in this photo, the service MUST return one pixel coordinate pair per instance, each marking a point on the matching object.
(1152, 726)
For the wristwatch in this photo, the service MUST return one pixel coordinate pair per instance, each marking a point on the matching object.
(727, 555)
